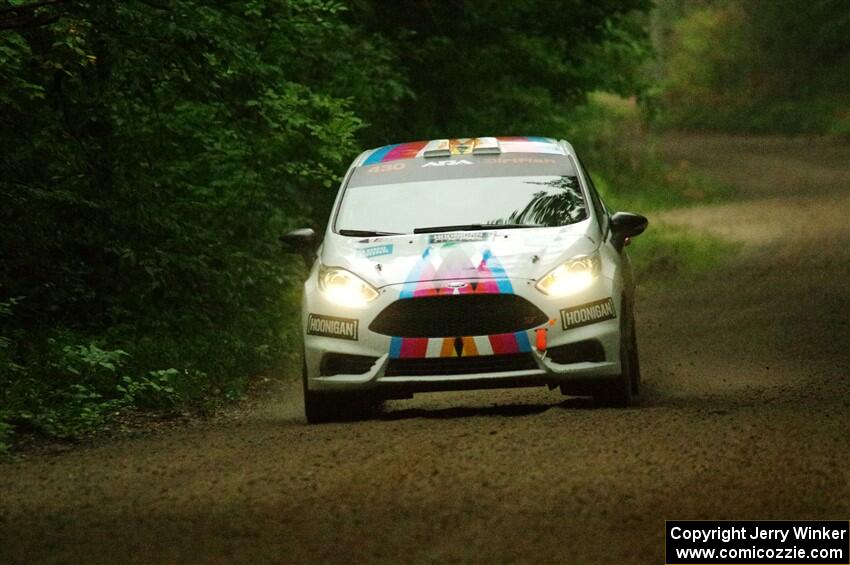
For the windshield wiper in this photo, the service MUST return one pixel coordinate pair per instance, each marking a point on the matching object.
(471, 227)
(366, 233)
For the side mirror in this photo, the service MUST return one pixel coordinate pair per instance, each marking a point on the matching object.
(625, 225)
(301, 241)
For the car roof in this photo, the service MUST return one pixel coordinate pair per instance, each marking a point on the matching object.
(436, 148)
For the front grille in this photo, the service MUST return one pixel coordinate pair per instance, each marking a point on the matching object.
(587, 351)
(436, 366)
(344, 364)
(458, 315)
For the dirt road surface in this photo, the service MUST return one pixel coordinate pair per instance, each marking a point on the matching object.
(745, 415)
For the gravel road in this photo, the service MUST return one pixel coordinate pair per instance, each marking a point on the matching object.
(745, 415)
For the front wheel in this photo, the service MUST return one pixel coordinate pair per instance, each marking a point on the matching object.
(621, 390)
(634, 359)
(322, 407)
(319, 408)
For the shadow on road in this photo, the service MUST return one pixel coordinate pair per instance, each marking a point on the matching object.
(508, 410)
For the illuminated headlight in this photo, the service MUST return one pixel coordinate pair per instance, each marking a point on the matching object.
(344, 287)
(573, 276)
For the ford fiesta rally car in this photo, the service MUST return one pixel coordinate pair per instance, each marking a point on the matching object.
(467, 263)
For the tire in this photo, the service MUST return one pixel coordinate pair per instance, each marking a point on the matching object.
(620, 391)
(319, 409)
(634, 359)
(323, 407)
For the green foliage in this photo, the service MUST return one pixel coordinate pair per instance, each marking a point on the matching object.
(6, 430)
(631, 176)
(152, 152)
(509, 67)
(665, 253)
(624, 160)
(78, 387)
(154, 390)
(765, 65)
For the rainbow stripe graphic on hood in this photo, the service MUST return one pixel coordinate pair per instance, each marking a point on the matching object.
(451, 262)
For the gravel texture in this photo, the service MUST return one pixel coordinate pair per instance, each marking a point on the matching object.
(745, 415)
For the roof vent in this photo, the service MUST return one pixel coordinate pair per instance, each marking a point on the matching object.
(462, 146)
(486, 146)
(437, 148)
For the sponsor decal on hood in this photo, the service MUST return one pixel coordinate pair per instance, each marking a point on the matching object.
(465, 255)
(376, 250)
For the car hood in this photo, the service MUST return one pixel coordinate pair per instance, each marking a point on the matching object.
(460, 255)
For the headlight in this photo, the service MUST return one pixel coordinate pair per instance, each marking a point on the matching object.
(573, 276)
(345, 288)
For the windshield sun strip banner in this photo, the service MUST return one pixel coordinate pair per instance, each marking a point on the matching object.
(395, 152)
(378, 154)
(460, 146)
(531, 164)
(536, 139)
(405, 151)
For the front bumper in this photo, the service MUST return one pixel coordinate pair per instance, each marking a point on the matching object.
(539, 370)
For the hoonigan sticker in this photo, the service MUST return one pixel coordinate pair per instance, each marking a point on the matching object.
(587, 314)
(331, 326)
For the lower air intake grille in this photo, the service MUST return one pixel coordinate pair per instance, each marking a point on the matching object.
(588, 351)
(458, 315)
(438, 366)
(343, 364)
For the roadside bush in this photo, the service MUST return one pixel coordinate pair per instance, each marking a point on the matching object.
(78, 388)
(621, 154)
(666, 253)
(784, 66)
(150, 156)
(6, 430)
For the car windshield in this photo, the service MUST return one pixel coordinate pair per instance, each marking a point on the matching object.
(465, 192)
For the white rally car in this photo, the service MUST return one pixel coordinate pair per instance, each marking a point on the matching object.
(467, 263)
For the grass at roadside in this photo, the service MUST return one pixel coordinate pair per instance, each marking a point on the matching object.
(671, 254)
(624, 160)
(632, 176)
